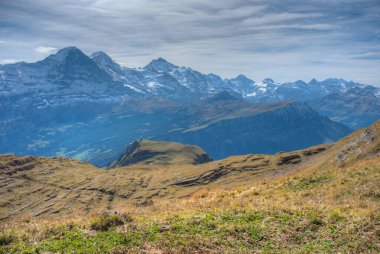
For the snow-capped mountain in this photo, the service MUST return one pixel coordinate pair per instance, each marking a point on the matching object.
(65, 78)
(70, 77)
(160, 76)
(106, 63)
(70, 71)
(164, 79)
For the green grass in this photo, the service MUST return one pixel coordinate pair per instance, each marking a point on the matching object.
(310, 182)
(227, 231)
(108, 221)
(7, 237)
(78, 241)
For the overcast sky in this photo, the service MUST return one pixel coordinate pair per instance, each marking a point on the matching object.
(286, 40)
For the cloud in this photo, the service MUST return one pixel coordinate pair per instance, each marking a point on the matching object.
(45, 50)
(368, 55)
(275, 38)
(8, 61)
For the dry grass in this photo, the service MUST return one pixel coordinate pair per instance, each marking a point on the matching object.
(297, 213)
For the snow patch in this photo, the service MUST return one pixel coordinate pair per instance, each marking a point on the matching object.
(152, 84)
(251, 94)
(133, 88)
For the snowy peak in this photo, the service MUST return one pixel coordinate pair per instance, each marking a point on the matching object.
(106, 63)
(334, 81)
(160, 65)
(243, 78)
(101, 57)
(241, 84)
(70, 60)
(268, 81)
(313, 81)
(64, 53)
(70, 65)
(69, 50)
(266, 84)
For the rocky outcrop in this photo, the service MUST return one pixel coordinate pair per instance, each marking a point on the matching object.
(364, 144)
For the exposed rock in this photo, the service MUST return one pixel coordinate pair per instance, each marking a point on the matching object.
(290, 159)
(359, 146)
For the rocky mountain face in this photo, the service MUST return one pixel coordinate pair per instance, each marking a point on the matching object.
(282, 127)
(355, 108)
(89, 107)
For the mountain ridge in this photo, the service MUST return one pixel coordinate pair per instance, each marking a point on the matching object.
(150, 152)
(284, 127)
(327, 86)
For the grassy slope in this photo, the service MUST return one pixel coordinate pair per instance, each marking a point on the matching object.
(151, 152)
(326, 203)
(59, 187)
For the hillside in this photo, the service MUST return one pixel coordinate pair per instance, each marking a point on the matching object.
(68, 185)
(150, 152)
(321, 199)
(262, 128)
(68, 181)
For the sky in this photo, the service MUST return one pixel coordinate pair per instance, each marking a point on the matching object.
(285, 40)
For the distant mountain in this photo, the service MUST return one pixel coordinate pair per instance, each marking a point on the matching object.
(356, 107)
(161, 78)
(150, 152)
(243, 127)
(265, 128)
(70, 77)
(65, 84)
(105, 62)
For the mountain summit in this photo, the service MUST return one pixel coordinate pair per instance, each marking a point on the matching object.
(73, 65)
(160, 65)
(106, 63)
(101, 57)
(64, 53)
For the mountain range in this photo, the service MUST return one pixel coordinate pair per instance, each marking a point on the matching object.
(70, 77)
(89, 107)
